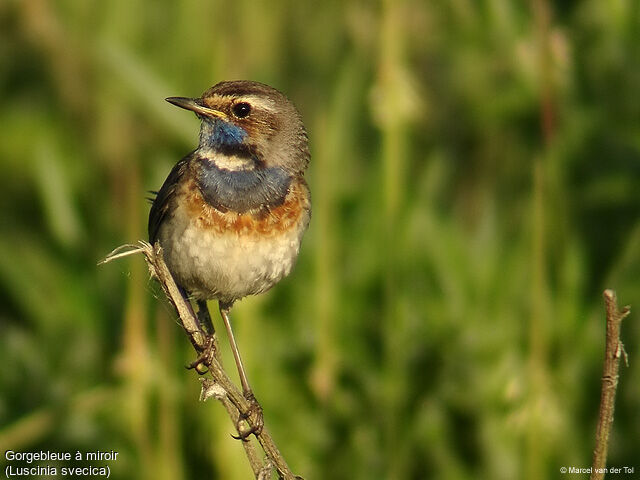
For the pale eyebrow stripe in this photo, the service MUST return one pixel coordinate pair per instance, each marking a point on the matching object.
(254, 100)
(260, 102)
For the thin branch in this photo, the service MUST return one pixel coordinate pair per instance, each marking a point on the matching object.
(220, 385)
(211, 389)
(613, 351)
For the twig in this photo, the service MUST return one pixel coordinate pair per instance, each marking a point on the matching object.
(220, 385)
(613, 351)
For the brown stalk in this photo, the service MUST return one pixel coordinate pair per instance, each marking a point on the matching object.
(613, 351)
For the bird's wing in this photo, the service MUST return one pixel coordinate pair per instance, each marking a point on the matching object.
(161, 203)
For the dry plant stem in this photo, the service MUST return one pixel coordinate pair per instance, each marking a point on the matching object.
(210, 389)
(221, 387)
(613, 351)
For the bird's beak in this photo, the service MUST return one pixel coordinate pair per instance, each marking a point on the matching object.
(195, 105)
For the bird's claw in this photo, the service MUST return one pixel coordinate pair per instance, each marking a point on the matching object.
(253, 413)
(203, 362)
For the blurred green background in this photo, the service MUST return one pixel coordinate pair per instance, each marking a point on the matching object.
(475, 177)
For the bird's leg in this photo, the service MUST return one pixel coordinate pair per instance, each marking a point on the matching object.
(204, 317)
(187, 302)
(224, 313)
(210, 347)
(254, 407)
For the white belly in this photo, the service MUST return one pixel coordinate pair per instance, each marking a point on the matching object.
(229, 265)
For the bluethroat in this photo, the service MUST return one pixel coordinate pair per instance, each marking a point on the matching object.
(231, 214)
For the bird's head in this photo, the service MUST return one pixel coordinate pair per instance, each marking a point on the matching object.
(247, 125)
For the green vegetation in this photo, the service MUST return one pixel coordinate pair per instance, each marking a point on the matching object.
(475, 177)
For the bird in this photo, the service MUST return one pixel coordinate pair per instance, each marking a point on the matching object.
(231, 215)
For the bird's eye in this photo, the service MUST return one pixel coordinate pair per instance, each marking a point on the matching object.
(241, 110)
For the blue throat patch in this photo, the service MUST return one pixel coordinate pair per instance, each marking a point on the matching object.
(224, 134)
(237, 190)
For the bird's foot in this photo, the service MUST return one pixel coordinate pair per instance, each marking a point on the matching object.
(253, 413)
(203, 362)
